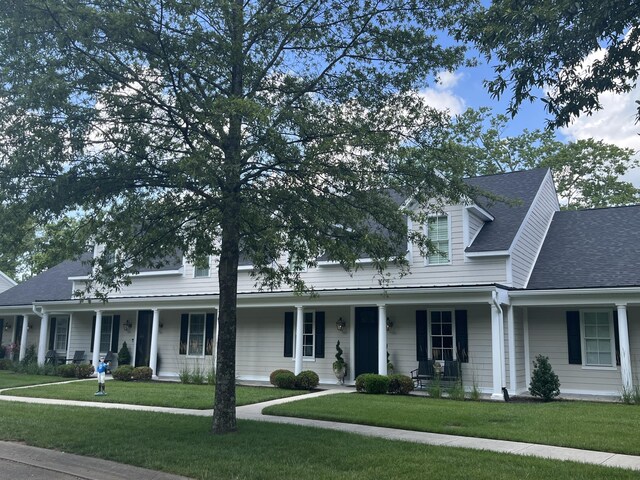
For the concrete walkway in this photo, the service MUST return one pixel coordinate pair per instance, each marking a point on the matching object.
(254, 412)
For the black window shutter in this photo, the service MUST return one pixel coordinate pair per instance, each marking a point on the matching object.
(184, 331)
(208, 340)
(2, 329)
(574, 344)
(421, 336)
(93, 333)
(616, 333)
(288, 334)
(319, 334)
(52, 332)
(462, 336)
(115, 333)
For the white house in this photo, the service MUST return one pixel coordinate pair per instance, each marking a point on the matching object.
(520, 278)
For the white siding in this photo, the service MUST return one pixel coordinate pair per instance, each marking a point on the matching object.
(475, 224)
(531, 234)
(5, 282)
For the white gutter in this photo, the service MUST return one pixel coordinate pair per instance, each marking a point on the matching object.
(35, 310)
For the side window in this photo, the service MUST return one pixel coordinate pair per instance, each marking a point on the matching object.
(438, 235)
(202, 268)
(598, 339)
(62, 329)
(196, 334)
(442, 335)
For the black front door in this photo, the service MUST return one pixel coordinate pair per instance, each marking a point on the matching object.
(143, 342)
(366, 341)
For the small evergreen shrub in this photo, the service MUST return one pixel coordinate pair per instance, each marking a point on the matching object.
(30, 356)
(544, 382)
(272, 377)
(142, 374)
(124, 356)
(372, 383)
(307, 380)
(400, 384)
(83, 370)
(6, 364)
(285, 379)
(123, 373)
(68, 370)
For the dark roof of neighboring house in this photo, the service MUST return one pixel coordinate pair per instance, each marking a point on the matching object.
(52, 284)
(590, 248)
(518, 189)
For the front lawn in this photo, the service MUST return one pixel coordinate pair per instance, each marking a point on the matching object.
(609, 427)
(182, 445)
(11, 379)
(159, 394)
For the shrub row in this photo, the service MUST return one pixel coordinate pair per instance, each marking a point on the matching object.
(69, 370)
(378, 384)
(127, 373)
(305, 380)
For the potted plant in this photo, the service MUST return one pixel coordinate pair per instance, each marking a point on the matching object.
(339, 366)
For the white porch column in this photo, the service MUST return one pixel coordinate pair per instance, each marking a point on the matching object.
(382, 339)
(96, 339)
(625, 357)
(23, 337)
(42, 342)
(153, 354)
(215, 340)
(496, 350)
(527, 353)
(299, 332)
(511, 339)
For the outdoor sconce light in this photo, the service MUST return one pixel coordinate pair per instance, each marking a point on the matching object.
(389, 324)
(29, 327)
(340, 324)
(127, 325)
(7, 327)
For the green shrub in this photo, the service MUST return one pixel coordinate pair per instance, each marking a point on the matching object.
(544, 382)
(142, 373)
(434, 389)
(84, 370)
(285, 379)
(30, 356)
(123, 373)
(124, 357)
(272, 377)
(6, 364)
(197, 375)
(400, 384)
(211, 377)
(372, 383)
(307, 380)
(456, 392)
(68, 370)
(185, 375)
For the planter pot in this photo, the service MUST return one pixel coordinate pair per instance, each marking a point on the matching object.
(340, 373)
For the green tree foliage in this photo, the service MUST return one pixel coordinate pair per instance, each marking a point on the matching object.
(546, 44)
(587, 173)
(214, 128)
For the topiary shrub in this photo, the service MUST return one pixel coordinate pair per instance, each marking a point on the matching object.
(124, 356)
(285, 379)
(400, 384)
(6, 364)
(83, 370)
(123, 373)
(307, 379)
(272, 377)
(68, 370)
(372, 383)
(544, 382)
(142, 373)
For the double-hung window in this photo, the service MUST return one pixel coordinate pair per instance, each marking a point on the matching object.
(196, 334)
(438, 235)
(202, 268)
(106, 331)
(598, 339)
(308, 335)
(442, 335)
(61, 335)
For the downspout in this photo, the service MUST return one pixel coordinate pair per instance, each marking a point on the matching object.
(35, 310)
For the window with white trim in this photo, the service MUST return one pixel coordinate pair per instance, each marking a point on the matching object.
(308, 335)
(598, 339)
(202, 268)
(195, 336)
(106, 331)
(442, 335)
(438, 235)
(61, 335)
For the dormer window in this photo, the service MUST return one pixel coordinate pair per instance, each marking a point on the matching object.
(202, 268)
(438, 234)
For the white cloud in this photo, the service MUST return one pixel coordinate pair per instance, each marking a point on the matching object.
(442, 97)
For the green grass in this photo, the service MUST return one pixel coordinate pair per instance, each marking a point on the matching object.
(10, 379)
(182, 445)
(609, 427)
(160, 394)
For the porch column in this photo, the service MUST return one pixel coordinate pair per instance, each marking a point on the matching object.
(215, 339)
(42, 342)
(299, 332)
(511, 339)
(496, 350)
(625, 357)
(23, 337)
(153, 354)
(96, 339)
(527, 354)
(382, 339)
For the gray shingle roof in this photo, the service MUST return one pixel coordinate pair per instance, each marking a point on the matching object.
(590, 248)
(519, 189)
(52, 284)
